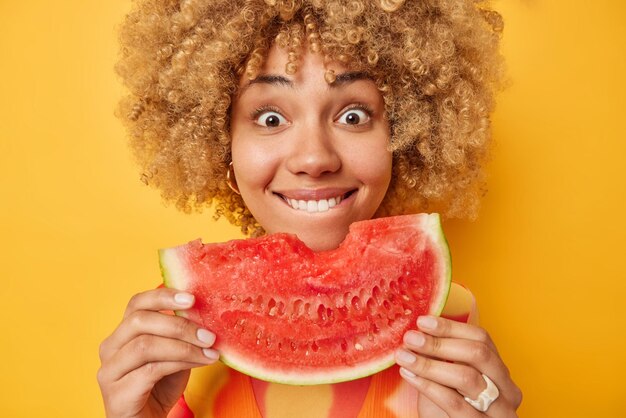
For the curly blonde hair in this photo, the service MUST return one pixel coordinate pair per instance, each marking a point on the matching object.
(436, 63)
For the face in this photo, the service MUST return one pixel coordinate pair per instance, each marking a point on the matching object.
(310, 157)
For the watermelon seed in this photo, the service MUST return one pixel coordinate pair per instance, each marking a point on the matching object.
(358, 347)
(247, 301)
(376, 294)
(293, 346)
(259, 303)
(405, 297)
(386, 305)
(321, 313)
(297, 308)
(393, 286)
(271, 305)
(280, 346)
(347, 297)
(314, 347)
(371, 305)
(408, 312)
(330, 314)
(307, 310)
(356, 303)
(268, 342)
(281, 308)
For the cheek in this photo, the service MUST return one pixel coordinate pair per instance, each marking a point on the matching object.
(373, 165)
(254, 166)
(380, 177)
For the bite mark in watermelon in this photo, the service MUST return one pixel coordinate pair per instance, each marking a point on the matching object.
(285, 314)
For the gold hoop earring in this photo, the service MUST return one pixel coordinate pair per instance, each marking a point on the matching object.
(230, 179)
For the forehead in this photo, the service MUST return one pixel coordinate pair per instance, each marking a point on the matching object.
(310, 66)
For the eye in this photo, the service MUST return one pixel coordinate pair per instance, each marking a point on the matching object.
(270, 119)
(354, 116)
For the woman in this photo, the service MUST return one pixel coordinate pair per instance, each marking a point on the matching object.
(303, 117)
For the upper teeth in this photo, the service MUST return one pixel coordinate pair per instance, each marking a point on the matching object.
(312, 206)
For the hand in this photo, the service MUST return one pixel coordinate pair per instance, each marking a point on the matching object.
(445, 361)
(147, 360)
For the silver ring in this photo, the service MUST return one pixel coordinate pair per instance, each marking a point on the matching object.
(486, 397)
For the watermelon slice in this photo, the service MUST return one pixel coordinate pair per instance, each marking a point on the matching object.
(285, 314)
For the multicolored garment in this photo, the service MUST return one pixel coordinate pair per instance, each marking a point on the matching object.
(218, 391)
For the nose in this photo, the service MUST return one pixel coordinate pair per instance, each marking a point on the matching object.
(314, 152)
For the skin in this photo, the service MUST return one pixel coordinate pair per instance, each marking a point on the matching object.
(146, 361)
(332, 144)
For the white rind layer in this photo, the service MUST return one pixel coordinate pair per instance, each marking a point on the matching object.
(325, 376)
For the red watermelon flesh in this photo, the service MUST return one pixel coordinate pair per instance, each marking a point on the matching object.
(283, 313)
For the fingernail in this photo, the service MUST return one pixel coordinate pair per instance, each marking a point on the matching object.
(183, 299)
(415, 339)
(406, 373)
(427, 322)
(212, 354)
(405, 357)
(205, 336)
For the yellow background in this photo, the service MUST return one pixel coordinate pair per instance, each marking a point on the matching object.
(545, 259)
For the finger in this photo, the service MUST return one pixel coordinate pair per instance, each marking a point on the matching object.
(159, 300)
(150, 373)
(442, 327)
(475, 353)
(133, 389)
(454, 403)
(445, 398)
(151, 349)
(465, 379)
(155, 323)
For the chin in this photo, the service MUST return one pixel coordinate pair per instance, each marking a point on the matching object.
(321, 240)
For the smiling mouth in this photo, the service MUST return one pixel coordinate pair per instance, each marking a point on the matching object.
(314, 206)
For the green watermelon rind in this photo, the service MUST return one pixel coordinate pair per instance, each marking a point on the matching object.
(439, 238)
(171, 266)
(169, 261)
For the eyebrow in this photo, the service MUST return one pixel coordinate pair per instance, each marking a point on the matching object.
(273, 79)
(349, 77)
